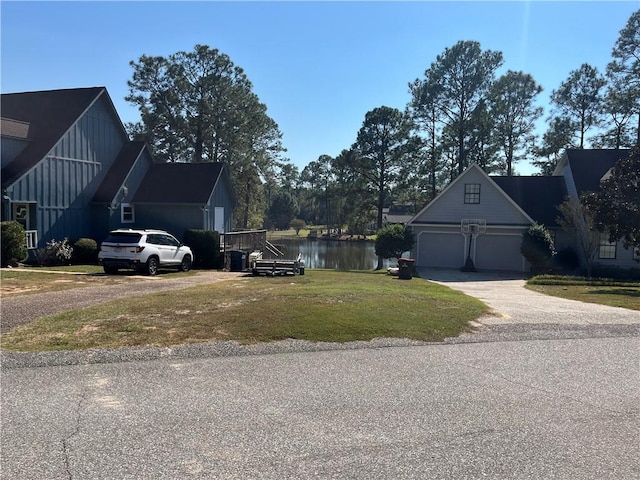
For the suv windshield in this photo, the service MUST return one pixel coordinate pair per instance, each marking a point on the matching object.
(123, 238)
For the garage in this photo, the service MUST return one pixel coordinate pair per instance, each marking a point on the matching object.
(499, 252)
(441, 249)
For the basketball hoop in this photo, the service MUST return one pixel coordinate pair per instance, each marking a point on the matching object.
(473, 225)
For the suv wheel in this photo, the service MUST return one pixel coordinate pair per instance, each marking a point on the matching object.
(152, 265)
(185, 265)
(110, 270)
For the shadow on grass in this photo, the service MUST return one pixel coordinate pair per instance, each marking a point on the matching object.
(617, 291)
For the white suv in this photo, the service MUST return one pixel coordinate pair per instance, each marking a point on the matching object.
(143, 250)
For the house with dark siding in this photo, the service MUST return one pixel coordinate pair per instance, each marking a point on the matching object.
(70, 170)
(502, 208)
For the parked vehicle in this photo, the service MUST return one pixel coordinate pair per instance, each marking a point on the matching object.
(144, 250)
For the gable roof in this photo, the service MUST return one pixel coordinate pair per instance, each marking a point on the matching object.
(538, 196)
(471, 168)
(49, 114)
(589, 166)
(179, 183)
(118, 172)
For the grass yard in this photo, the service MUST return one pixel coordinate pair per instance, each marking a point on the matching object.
(28, 280)
(323, 305)
(602, 291)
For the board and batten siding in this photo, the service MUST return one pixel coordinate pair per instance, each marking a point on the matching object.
(173, 218)
(11, 147)
(65, 181)
(107, 217)
(494, 206)
(220, 198)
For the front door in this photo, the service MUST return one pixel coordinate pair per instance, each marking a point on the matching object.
(219, 219)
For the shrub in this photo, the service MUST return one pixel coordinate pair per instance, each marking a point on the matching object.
(205, 246)
(537, 248)
(55, 253)
(13, 241)
(85, 252)
(297, 224)
(393, 240)
(620, 273)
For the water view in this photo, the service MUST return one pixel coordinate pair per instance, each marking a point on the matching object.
(337, 255)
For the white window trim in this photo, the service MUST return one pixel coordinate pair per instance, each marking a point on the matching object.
(606, 246)
(472, 195)
(123, 206)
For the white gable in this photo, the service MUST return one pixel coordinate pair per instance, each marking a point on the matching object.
(495, 206)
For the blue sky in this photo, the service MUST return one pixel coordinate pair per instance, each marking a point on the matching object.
(318, 66)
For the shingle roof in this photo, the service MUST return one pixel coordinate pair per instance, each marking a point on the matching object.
(537, 196)
(49, 115)
(589, 166)
(118, 172)
(185, 183)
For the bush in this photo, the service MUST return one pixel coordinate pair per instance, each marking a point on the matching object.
(55, 253)
(537, 248)
(85, 252)
(572, 280)
(619, 273)
(297, 224)
(205, 246)
(13, 241)
(393, 240)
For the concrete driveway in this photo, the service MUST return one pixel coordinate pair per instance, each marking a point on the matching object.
(511, 303)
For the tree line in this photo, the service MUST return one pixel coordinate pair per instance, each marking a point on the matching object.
(198, 106)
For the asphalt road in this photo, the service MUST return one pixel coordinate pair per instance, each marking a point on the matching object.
(542, 389)
(552, 409)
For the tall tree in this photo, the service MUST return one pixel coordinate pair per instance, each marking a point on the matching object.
(512, 106)
(623, 73)
(282, 210)
(198, 106)
(579, 100)
(459, 80)
(382, 144)
(620, 107)
(481, 145)
(558, 137)
(427, 120)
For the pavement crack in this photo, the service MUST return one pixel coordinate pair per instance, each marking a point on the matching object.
(66, 440)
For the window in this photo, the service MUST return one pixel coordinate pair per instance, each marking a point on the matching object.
(127, 213)
(607, 248)
(168, 240)
(471, 193)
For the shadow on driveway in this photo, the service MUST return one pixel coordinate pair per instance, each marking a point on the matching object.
(446, 275)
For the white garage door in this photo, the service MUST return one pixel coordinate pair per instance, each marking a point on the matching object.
(499, 252)
(441, 250)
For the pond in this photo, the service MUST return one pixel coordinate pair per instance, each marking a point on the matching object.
(336, 255)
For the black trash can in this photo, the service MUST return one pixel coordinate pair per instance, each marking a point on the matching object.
(238, 260)
(405, 268)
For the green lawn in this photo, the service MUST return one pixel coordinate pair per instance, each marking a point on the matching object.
(323, 305)
(614, 293)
